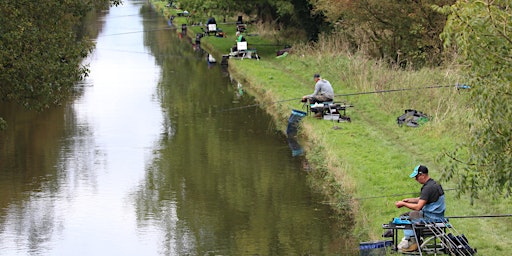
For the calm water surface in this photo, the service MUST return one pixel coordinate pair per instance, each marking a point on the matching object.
(145, 162)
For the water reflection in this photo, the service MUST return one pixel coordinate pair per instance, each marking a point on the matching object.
(292, 130)
(28, 212)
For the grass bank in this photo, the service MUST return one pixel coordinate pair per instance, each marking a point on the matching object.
(364, 166)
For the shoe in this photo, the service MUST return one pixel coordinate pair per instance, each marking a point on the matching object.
(404, 244)
(412, 247)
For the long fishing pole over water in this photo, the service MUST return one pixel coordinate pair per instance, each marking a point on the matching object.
(457, 86)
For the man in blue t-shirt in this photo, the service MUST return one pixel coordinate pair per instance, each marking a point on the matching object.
(430, 204)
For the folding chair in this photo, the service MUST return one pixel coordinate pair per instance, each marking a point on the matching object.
(433, 237)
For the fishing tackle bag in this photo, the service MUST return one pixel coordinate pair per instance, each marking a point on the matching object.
(412, 118)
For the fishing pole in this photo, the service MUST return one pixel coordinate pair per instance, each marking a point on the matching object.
(140, 31)
(269, 45)
(480, 216)
(260, 104)
(458, 86)
(393, 195)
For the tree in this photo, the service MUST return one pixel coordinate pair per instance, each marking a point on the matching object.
(41, 50)
(39, 56)
(482, 33)
(401, 32)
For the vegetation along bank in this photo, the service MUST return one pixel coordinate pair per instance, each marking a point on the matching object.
(363, 167)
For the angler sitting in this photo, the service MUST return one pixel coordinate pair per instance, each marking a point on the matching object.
(429, 206)
(211, 26)
(323, 91)
(323, 94)
(241, 51)
(240, 48)
(239, 38)
(240, 26)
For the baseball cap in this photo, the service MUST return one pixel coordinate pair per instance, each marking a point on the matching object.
(420, 169)
(316, 75)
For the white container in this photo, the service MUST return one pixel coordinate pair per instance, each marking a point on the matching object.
(334, 117)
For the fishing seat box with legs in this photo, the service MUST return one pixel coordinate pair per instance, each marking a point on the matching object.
(329, 110)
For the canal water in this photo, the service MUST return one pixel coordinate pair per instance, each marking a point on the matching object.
(154, 157)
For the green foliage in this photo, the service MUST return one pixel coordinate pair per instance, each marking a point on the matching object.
(405, 33)
(482, 33)
(40, 50)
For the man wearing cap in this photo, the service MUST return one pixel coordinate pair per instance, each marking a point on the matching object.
(239, 38)
(323, 91)
(430, 204)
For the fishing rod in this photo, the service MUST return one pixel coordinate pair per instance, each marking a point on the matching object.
(480, 216)
(458, 86)
(259, 104)
(140, 31)
(393, 195)
(151, 54)
(269, 45)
